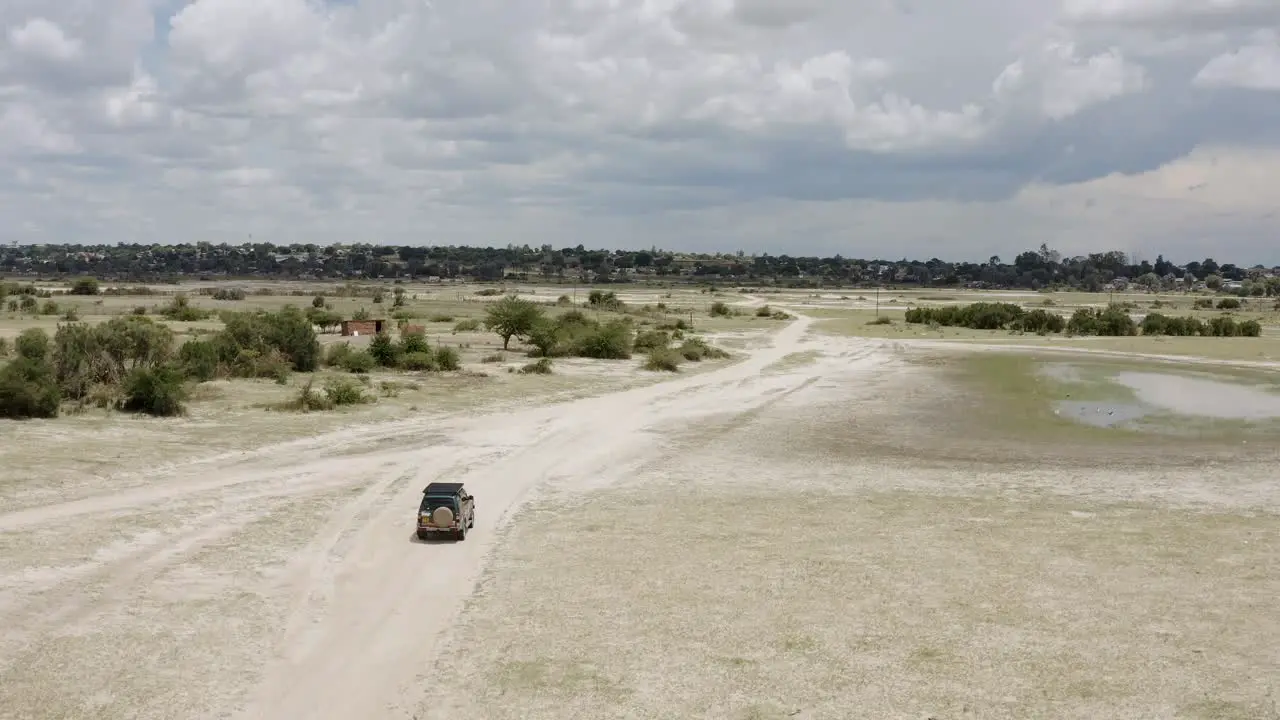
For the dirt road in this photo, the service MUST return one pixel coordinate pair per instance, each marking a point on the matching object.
(287, 582)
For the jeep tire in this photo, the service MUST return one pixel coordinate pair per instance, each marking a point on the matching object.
(462, 532)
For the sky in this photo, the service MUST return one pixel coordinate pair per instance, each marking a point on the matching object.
(869, 128)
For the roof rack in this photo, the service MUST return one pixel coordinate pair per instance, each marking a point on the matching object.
(442, 488)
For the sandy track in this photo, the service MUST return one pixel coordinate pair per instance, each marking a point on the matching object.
(301, 559)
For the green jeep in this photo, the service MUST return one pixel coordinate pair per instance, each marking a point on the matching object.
(446, 508)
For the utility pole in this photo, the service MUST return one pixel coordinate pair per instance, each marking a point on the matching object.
(877, 301)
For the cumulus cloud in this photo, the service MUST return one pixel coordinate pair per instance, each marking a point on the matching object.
(628, 121)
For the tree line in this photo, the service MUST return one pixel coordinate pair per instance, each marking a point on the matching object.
(1033, 269)
(1111, 321)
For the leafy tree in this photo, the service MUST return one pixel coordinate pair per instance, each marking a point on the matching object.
(317, 302)
(512, 317)
(545, 336)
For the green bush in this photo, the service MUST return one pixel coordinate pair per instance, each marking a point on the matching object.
(610, 341)
(181, 310)
(697, 350)
(663, 360)
(418, 361)
(1202, 304)
(1114, 321)
(28, 383)
(84, 286)
(1228, 304)
(541, 366)
(286, 334)
(1224, 326)
(199, 359)
(317, 302)
(358, 361)
(154, 391)
(651, 340)
(345, 391)
(882, 320)
(384, 351)
(978, 316)
(764, 311)
(4, 347)
(414, 342)
(468, 325)
(1040, 321)
(1250, 328)
(547, 338)
(720, 309)
(447, 359)
(229, 294)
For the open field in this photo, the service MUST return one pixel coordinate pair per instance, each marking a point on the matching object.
(823, 526)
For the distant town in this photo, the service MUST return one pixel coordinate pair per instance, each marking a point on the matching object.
(1038, 269)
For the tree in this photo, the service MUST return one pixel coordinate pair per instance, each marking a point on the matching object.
(85, 286)
(511, 317)
(1213, 282)
(28, 385)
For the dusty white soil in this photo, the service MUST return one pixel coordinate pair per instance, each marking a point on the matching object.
(286, 582)
(723, 545)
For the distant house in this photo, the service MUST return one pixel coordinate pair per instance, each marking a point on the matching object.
(362, 327)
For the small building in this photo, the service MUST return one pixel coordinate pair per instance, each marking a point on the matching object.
(362, 327)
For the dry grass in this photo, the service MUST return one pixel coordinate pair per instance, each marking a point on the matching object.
(895, 604)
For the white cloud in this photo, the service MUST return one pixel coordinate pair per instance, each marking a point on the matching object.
(1254, 67)
(953, 129)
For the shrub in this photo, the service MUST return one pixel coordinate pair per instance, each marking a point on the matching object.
(1228, 304)
(199, 359)
(1203, 304)
(651, 340)
(611, 341)
(361, 314)
(1250, 328)
(384, 351)
(541, 366)
(4, 347)
(663, 360)
(493, 358)
(720, 309)
(27, 303)
(181, 310)
(978, 316)
(358, 361)
(418, 361)
(1114, 321)
(468, 325)
(85, 286)
(414, 342)
(229, 294)
(882, 320)
(447, 359)
(696, 350)
(317, 302)
(140, 310)
(605, 301)
(154, 391)
(1224, 326)
(308, 399)
(1040, 321)
(345, 391)
(49, 308)
(564, 300)
(546, 337)
(28, 383)
(764, 311)
(71, 314)
(440, 318)
(286, 334)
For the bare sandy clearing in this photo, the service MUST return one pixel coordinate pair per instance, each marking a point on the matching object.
(776, 564)
(301, 555)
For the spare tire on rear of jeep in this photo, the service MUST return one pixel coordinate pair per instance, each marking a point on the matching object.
(442, 516)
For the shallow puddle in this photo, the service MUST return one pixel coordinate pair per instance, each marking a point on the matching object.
(1206, 398)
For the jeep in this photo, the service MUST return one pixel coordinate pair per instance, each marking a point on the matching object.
(446, 508)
